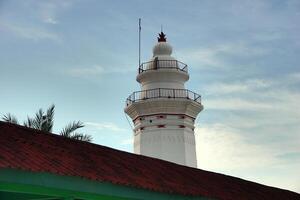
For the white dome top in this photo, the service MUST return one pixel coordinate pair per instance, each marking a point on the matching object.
(161, 49)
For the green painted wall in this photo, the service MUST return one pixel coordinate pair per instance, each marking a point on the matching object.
(29, 185)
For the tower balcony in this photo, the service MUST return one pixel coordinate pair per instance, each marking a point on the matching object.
(163, 64)
(163, 93)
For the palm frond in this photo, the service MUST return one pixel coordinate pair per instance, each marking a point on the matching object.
(82, 137)
(44, 121)
(70, 128)
(29, 122)
(48, 118)
(10, 118)
(38, 119)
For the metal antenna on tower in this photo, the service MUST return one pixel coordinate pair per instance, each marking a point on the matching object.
(140, 41)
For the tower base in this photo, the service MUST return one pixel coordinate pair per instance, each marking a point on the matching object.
(174, 145)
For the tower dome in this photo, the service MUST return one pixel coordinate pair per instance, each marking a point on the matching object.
(164, 112)
(162, 48)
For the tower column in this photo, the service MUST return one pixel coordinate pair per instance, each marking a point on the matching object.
(164, 112)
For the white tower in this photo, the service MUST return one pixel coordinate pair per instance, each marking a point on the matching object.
(164, 112)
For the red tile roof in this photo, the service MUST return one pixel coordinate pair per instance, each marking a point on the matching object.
(33, 150)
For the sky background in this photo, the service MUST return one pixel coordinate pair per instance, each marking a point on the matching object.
(243, 58)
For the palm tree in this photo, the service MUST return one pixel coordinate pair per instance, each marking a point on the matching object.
(44, 121)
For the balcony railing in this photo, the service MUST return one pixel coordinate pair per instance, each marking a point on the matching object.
(163, 93)
(163, 64)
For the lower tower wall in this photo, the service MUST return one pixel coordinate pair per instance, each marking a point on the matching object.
(167, 137)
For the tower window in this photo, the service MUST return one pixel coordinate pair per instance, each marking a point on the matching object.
(161, 117)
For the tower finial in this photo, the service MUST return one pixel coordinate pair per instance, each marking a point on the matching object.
(162, 37)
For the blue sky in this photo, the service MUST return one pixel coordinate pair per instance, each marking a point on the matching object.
(243, 59)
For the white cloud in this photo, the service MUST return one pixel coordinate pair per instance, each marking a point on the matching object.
(128, 141)
(50, 20)
(236, 104)
(220, 147)
(266, 95)
(29, 32)
(241, 49)
(228, 150)
(94, 70)
(105, 126)
(212, 56)
(40, 11)
(237, 87)
(49, 10)
(256, 135)
(295, 76)
(268, 36)
(86, 72)
(240, 95)
(224, 88)
(204, 57)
